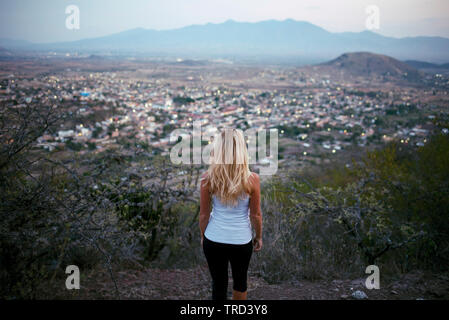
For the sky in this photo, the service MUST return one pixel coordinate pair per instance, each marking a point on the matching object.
(45, 20)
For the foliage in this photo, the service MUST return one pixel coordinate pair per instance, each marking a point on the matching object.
(178, 100)
(147, 203)
(391, 211)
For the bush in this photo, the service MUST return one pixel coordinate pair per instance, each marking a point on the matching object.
(390, 211)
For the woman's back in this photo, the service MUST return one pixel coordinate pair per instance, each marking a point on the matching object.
(229, 224)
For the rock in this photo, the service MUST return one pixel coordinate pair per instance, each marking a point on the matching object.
(394, 292)
(344, 296)
(358, 283)
(437, 292)
(359, 295)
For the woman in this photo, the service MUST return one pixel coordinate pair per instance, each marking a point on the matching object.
(226, 234)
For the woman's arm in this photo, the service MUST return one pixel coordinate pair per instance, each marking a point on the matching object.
(255, 212)
(204, 205)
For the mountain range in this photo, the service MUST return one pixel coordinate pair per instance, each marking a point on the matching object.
(288, 39)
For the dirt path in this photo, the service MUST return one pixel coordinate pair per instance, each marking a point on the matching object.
(195, 284)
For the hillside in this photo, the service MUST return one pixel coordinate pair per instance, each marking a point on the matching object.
(366, 64)
(195, 283)
(426, 65)
(4, 52)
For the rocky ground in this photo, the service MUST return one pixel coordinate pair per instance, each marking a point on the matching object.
(195, 284)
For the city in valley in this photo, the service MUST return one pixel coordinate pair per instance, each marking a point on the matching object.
(321, 112)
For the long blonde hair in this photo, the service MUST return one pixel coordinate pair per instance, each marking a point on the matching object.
(228, 173)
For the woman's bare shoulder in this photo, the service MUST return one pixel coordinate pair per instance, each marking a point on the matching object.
(254, 176)
(255, 181)
(204, 179)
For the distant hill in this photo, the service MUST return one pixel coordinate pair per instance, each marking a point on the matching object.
(366, 64)
(96, 57)
(289, 39)
(15, 44)
(191, 63)
(5, 53)
(426, 65)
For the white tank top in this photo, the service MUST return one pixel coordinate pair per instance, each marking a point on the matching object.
(228, 224)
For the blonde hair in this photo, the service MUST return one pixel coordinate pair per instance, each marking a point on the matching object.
(228, 173)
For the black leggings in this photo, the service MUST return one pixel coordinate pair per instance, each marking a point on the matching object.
(218, 255)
